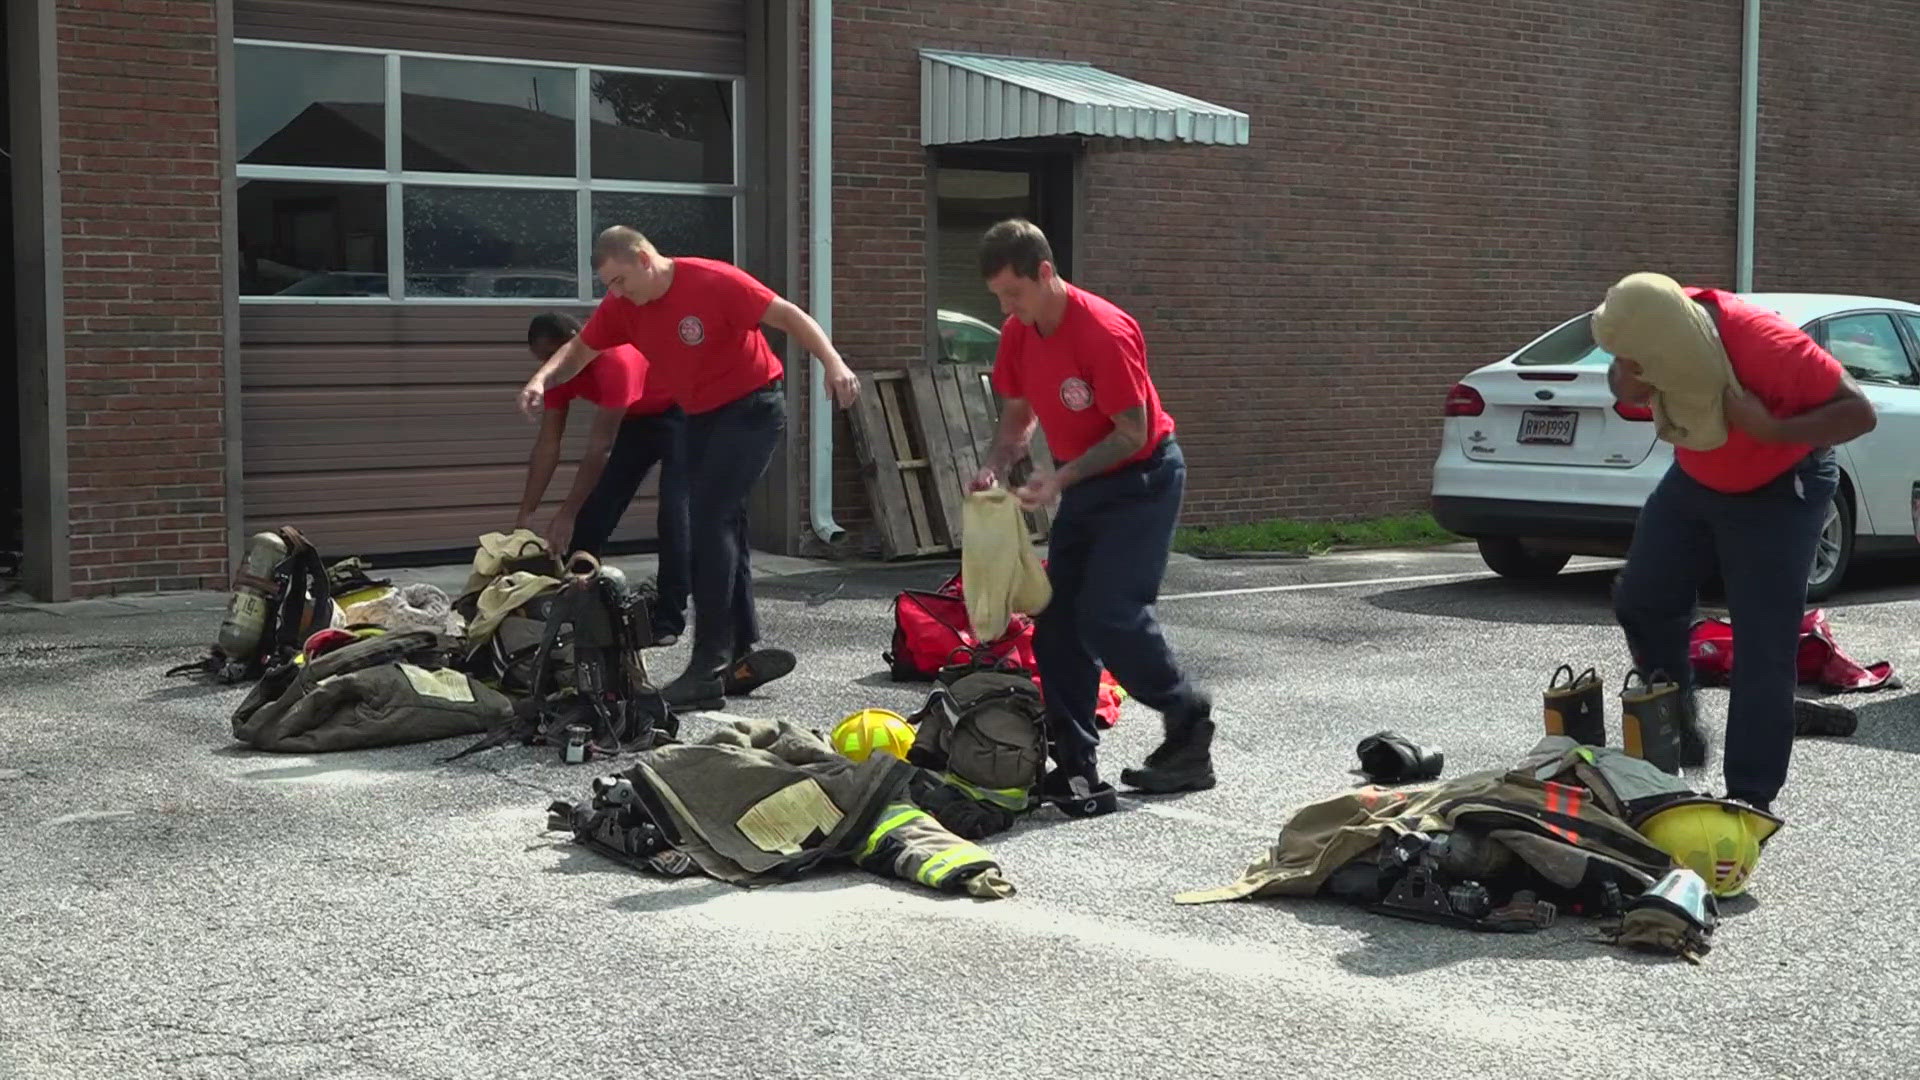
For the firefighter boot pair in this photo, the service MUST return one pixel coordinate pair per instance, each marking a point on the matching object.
(1658, 722)
(1184, 759)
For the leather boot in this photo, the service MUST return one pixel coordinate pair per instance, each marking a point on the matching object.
(1184, 760)
(702, 686)
(755, 669)
(1079, 792)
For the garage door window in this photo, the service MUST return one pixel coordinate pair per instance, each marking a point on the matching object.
(383, 176)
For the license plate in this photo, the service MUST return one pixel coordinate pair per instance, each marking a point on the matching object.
(1541, 428)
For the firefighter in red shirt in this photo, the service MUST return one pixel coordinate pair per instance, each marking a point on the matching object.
(1753, 407)
(1077, 365)
(636, 427)
(698, 322)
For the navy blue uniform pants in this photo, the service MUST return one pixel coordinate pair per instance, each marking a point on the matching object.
(1762, 543)
(728, 450)
(643, 442)
(1105, 559)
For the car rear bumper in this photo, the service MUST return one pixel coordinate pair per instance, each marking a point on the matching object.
(1476, 517)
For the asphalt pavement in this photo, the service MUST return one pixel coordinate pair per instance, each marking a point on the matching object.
(177, 907)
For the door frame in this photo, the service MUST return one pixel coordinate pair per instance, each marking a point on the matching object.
(1057, 168)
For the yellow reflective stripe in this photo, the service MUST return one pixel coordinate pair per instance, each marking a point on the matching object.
(1010, 798)
(936, 869)
(902, 813)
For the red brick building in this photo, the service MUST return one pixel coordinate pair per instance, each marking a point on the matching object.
(274, 258)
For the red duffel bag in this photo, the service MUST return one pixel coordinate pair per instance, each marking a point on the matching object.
(931, 631)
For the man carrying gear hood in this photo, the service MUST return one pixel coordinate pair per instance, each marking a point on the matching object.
(1077, 365)
(1753, 407)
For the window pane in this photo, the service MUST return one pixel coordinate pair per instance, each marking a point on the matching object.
(1570, 344)
(699, 225)
(466, 117)
(303, 107)
(967, 203)
(299, 238)
(490, 242)
(651, 127)
(1869, 348)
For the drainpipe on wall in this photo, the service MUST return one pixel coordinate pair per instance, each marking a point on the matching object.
(1749, 127)
(820, 269)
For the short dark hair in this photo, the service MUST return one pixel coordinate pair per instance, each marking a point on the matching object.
(552, 326)
(1015, 242)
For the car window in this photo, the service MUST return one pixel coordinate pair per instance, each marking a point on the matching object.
(967, 342)
(1572, 343)
(1869, 347)
(1913, 330)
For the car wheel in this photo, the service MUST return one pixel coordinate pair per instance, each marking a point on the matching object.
(1833, 551)
(1510, 557)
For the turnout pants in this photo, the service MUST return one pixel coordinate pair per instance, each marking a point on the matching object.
(728, 450)
(1105, 560)
(643, 442)
(1763, 544)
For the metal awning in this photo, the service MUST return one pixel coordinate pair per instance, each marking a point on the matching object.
(969, 97)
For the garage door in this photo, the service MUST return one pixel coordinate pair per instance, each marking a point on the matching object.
(415, 182)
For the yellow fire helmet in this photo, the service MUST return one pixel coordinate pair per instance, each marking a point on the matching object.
(1718, 839)
(868, 730)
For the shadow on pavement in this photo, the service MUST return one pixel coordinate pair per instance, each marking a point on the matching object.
(191, 691)
(819, 587)
(1887, 722)
(1572, 599)
(382, 759)
(1392, 947)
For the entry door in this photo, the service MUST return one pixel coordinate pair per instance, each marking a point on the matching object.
(972, 190)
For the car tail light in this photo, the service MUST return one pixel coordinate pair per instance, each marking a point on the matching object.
(1464, 400)
(1632, 412)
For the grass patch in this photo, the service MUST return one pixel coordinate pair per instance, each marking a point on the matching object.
(1312, 537)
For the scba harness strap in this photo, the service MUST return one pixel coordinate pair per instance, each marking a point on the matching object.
(605, 625)
(301, 600)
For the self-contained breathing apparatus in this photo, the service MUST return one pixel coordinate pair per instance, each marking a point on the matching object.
(602, 623)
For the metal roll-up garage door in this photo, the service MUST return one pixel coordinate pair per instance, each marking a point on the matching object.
(415, 181)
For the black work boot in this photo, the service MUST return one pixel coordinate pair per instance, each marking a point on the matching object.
(1079, 792)
(755, 669)
(1823, 718)
(1184, 760)
(702, 686)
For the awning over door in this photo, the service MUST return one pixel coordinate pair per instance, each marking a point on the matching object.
(969, 97)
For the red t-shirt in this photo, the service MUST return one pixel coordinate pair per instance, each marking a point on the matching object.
(1092, 366)
(702, 336)
(1776, 361)
(618, 378)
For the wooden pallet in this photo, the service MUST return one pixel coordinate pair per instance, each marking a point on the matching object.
(921, 434)
(898, 471)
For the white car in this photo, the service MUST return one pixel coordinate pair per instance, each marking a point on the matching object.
(1538, 463)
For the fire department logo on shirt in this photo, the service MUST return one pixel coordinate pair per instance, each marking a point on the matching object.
(1075, 394)
(692, 331)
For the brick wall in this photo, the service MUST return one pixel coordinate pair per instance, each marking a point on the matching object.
(140, 164)
(1839, 149)
(1429, 184)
